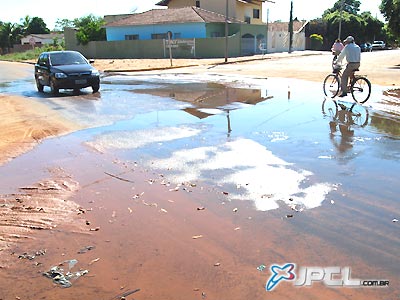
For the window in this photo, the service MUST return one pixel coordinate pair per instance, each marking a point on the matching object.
(159, 36)
(43, 60)
(131, 37)
(198, 3)
(247, 20)
(256, 13)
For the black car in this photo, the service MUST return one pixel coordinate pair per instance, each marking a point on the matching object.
(366, 47)
(65, 70)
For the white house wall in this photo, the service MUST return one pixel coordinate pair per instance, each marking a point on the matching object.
(278, 41)
(186, 31)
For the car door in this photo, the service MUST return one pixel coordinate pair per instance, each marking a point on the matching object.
(43, 69)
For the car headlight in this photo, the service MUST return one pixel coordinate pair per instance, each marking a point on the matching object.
(95, 73)
(60, 75)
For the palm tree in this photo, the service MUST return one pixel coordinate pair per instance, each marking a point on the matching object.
(25, 24)
(9, 34)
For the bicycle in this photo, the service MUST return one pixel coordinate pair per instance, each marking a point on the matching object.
(359, 85)
(355, 114)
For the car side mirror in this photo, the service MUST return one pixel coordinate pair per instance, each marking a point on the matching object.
(91, 61)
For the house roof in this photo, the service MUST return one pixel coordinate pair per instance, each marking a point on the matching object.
(166, 2)
(45, 36)
(173, 15)
(284, 26)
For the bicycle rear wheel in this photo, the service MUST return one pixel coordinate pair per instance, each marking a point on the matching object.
(330, 108)
(331, 85)
(361, 89)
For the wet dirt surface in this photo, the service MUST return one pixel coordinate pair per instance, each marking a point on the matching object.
(283, 177)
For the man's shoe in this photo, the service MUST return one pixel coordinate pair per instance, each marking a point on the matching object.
(343, 95)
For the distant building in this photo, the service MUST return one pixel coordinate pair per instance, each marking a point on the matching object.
(190, 29)
(248, 11)
(183, 23)
(42, 39)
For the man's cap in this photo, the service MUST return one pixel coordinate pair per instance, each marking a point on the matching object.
(349, 39)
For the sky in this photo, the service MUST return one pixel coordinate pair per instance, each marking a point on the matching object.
(14, 10)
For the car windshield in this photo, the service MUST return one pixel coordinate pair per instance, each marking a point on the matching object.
(67, 58)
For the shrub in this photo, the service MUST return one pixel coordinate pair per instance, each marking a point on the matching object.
(316, 41)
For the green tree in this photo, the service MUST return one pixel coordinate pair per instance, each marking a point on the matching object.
(90, 29)
(62, 23)
(364, 27)
(25, 24)
(9, 35)
(37, 25)
(373, 29)
(350, 6)
(391, 11)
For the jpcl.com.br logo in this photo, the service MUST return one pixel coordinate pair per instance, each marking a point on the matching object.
(306, 276)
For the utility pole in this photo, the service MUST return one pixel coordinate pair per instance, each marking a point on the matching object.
(266, 35)
(291, 28)
(226, 31)
(340, 18)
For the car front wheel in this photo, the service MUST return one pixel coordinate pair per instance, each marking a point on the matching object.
(54, 89)
(39, 85)
(95, 88)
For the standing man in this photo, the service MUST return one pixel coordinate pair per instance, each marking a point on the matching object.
(352, 52)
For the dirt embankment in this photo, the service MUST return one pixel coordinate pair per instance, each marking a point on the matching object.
(25, 123)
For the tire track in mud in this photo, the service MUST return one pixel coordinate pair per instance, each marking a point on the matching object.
(41, 206)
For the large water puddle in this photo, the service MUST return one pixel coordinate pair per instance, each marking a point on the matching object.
(262, 140)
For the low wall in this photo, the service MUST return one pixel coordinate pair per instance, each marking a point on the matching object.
(190, 48)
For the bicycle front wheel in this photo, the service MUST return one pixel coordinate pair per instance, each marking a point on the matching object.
(359, 115)
(331, 85)
(361, 89)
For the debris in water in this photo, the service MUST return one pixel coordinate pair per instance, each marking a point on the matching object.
(149, 204)
(125, 294)
(217, 264)
(261, 268)
(289, 216)
(235, 209)
(94, 260)
(64, 279)
(395, 220)
(201, 208)
(195, 237)
(119, 178)
(86, 249)
(267, 196)
(174, 189)
(296, 207)
(31, 256)
(137, 195)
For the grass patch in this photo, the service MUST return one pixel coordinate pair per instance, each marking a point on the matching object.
(28, 55)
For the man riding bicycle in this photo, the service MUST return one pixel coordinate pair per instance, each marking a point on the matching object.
(352, 52)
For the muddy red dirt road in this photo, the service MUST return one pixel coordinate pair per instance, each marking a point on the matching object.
(109, 197)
